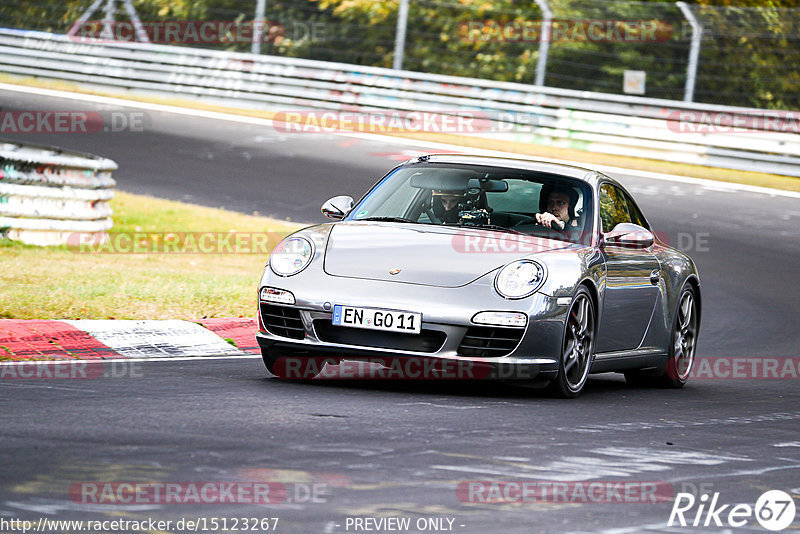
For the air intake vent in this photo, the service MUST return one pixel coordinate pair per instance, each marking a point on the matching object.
(282, 321)
(425, 341)
(489, 341)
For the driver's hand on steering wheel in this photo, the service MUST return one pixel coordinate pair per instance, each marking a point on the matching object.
(549, 220)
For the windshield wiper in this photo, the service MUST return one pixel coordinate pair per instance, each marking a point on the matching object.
(388, 219)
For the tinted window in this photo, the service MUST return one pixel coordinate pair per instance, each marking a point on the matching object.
(636, 215)
(613, 207)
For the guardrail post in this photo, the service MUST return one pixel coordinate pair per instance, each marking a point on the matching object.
(400, 35)
(544, 41)
(694, 51)
(73, 29)
(109, 16)
(261, 8)
(141, 34)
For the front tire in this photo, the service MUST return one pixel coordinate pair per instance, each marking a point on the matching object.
(577, 352)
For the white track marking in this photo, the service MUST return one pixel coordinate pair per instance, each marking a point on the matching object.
(136, 360)
(115, 101)
(605, 462)
(156, 338)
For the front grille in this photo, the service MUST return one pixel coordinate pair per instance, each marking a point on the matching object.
(282, 321)
(425, 341)
(489, 341)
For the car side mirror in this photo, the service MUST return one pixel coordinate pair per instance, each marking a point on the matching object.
(337, 207)
(629, 235)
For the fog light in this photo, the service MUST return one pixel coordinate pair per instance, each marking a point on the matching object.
(496, 318)
(270, 294)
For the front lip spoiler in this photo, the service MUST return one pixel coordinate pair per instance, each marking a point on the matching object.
(471, 368)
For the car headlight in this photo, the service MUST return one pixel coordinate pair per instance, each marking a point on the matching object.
(519, 279)
(291, 256)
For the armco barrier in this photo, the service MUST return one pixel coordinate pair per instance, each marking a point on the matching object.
(615, 124)
(46, 194)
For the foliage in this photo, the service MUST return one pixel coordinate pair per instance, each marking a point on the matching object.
(746, 51)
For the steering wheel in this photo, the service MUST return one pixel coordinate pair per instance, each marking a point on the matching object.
(527, 221)
(530, 226)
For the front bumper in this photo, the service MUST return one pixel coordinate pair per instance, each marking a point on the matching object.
(296, 361)
(446, 313)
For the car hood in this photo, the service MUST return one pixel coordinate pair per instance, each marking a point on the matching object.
(423, 254)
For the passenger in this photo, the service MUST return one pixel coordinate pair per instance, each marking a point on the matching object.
(446, 206)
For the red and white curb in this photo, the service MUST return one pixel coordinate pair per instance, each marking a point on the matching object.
(22, 340)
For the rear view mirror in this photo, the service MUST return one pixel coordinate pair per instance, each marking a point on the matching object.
(629, 235)
(337, 207)
(441, 180)
(486, 185)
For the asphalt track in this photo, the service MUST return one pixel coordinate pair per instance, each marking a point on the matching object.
(401, 450)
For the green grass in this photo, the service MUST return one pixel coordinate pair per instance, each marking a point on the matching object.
(64, 283)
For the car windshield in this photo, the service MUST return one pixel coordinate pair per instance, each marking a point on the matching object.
(498, 198)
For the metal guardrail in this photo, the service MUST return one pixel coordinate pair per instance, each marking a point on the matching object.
(615, 124)
(48, 195)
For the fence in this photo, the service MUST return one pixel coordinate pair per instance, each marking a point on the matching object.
(763, 141)
(47, 194)
(740, 54)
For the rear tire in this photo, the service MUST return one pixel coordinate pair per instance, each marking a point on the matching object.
(682, 345)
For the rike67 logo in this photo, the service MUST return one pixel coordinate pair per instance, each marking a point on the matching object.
(774, 510)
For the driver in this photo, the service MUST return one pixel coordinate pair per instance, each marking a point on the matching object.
(559, 208)
(446, 205)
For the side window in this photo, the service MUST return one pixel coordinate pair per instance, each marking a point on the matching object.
(636, 215)
(613, 207)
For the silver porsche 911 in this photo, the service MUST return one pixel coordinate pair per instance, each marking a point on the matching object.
(477, 267)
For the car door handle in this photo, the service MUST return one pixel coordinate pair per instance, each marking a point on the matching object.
(655, 276)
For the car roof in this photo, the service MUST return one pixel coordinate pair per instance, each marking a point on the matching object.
(590, 176)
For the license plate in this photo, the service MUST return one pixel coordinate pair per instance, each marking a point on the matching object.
(377, 319)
